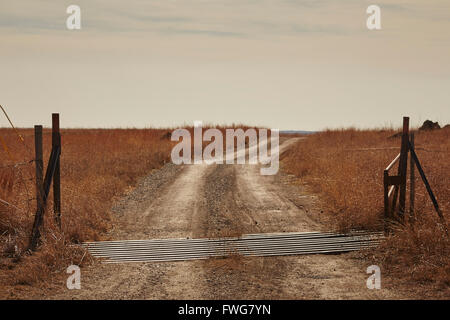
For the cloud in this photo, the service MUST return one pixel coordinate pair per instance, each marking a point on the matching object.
(222, 18)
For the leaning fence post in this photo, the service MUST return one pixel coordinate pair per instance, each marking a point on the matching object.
(56, 144)
(427, 185)
(39, 188)
(412, 191)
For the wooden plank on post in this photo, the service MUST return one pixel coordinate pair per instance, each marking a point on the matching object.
(56, 144)
(412, 187)
(39, 217)
(393, 180)
(403, 166)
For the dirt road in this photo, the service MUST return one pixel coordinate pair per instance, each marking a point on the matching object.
(213, 201)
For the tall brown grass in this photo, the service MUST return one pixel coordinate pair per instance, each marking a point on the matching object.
(97, 166)
(345, 167)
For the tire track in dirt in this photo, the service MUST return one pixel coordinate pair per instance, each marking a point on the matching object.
(227, 214)
(161, 206)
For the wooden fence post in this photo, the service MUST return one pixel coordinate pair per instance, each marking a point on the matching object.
(386, 196)
(412, 191)
(403, 166)
(39, 188)
(386, 200)
(56, 143)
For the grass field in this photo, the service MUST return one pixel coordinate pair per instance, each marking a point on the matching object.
(97, 166)
(345, 167)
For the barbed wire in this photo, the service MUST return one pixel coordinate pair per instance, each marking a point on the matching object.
(15, 129)
(10, 156)
(15, 165)
(9, 204)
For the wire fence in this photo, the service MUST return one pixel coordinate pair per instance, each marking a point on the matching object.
(16, 168)
(23, 169)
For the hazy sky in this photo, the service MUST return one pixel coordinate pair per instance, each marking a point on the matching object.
(287, 64)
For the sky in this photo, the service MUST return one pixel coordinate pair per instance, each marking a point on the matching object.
(285, 64)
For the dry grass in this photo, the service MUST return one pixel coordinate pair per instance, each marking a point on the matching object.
(339, 166)
(97, 166)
